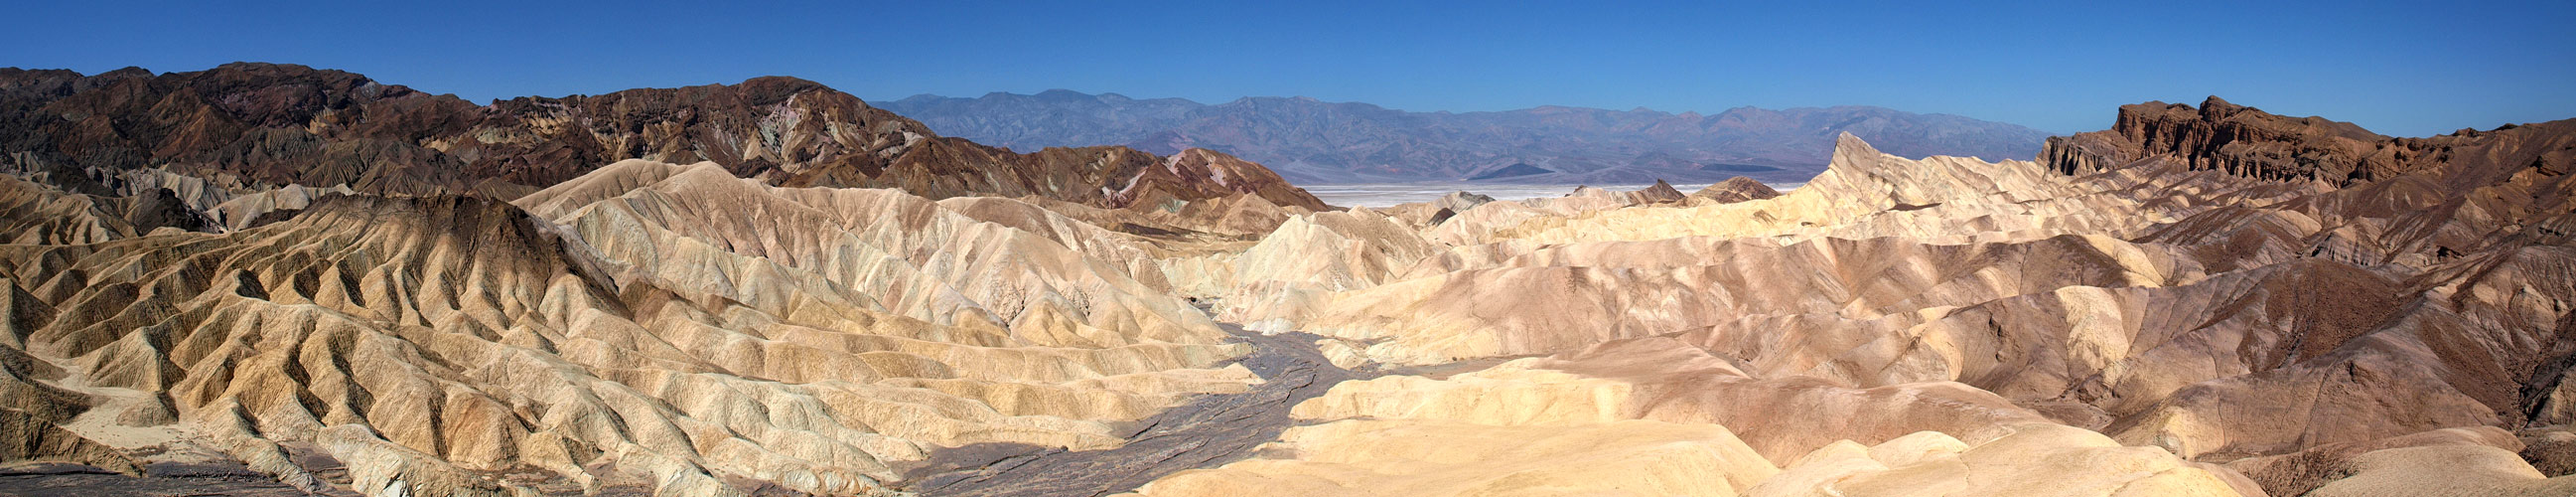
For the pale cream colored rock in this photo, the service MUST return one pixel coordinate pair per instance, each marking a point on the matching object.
(1483, 432)
(681, 327)
(1666, 380)
(1466, 305)
(1938, 326)
(2300, 472)
(1371, 457)
(2027, 460)
(238, 210)
(2451, 469)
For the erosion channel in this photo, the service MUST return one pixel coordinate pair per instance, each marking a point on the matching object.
(1207, 431)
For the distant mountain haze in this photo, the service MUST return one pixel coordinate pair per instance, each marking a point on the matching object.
(1312, 141)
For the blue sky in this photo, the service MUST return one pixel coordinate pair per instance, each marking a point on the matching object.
(2407, 69)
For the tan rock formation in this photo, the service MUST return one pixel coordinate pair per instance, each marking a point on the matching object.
(672, 328)
(2209, 301)
(1573, 425)
(1736, 189)
(2205, 307)
(1365, 457)
(2031, 459)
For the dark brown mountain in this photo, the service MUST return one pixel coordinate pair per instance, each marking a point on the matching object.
(1736, 189)
(272, 124)
(2458, 239)
(1340, 142)
(2247, 142)
(2437, 196)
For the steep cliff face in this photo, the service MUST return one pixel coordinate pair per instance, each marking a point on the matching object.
(2420, 199)
(254, 126)
(2245, 141)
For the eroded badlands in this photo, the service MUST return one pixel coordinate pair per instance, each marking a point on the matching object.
(802, 294)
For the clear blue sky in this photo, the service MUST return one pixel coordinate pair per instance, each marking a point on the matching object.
(2408, 69)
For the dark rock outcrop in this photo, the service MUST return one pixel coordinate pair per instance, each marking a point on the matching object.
(2439, 197)
(1660, 192)
(1736, 189)
(2245, 141)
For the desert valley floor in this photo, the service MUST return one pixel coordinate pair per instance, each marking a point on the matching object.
(274, 280)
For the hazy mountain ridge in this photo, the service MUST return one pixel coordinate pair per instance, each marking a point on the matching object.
(1313, 141)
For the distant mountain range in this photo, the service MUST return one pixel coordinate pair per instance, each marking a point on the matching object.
(1312, 141)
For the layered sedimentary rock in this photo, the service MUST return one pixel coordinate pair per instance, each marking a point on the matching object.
(2201, 301)
(1657, 417)
(647, 324)
(2248, 142)
(2216, 283)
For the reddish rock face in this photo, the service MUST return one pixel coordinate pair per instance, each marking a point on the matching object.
(269, 124)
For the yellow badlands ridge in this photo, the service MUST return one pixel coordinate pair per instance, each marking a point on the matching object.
(668, 324)
(1941, 326)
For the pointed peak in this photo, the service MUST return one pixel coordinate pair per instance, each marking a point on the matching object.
(1849, 144)
(1660, 192)
(1852, 153)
